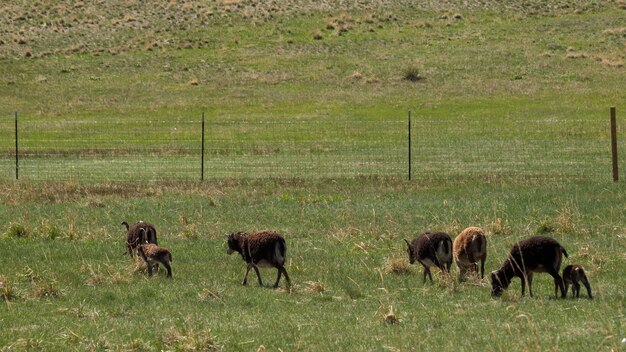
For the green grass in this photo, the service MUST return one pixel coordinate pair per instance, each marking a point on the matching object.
(340, 236)
(306, 136)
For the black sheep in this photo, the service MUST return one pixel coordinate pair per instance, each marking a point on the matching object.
(264, 248)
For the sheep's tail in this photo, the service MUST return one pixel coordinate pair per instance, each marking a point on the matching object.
(564, 252)
(281, 251)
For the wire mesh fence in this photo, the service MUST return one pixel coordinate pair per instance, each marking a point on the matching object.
(171, 148)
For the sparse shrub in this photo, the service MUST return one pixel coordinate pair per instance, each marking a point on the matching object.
(499, 227)
(356, 76)
(16, 230)
(315, 287)
(187, 339)
(49, 231)
(208, 294)
(46, 288)
(390, 316)
(397, 266)
(545, 227)
(412, 73)
(190, 232)
(8, 292)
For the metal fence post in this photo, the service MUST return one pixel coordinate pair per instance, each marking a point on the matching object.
(614, 144)
(409, 144)
(17, 155)
(202, 162)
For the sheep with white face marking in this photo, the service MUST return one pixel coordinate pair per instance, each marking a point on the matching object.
(263, 248)
(534, 255)
(133, 234)
(571, 275)
(470, 246)
(431, 249)
(152, 254)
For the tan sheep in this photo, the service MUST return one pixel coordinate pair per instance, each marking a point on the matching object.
(469, 247)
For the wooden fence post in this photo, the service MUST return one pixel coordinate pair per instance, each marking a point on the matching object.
(614, 144)
(17, 155)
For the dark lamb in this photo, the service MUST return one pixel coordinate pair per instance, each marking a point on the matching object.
(431, 249)
(134, 233)
(263, 248)
(571, 275)
(537, 254)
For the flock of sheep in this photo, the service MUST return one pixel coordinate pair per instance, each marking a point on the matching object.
(268, 248)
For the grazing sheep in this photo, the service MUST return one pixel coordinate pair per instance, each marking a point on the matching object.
(534, 255)
(429, 249)
(133, 235)
(264, 248)
(571, 275)
(153, 255)
(469, 247)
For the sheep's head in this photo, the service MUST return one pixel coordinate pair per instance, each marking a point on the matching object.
(411, 251)
(499, 283)
(234, 242)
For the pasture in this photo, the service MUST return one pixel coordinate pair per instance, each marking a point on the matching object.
(511, 104)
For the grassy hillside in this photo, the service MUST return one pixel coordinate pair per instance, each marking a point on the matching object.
(510, 106)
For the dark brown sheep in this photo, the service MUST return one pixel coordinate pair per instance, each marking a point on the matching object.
(133, 234)
(431, 249)
(537, 254)
(571, 275)
(264, 248)
(470, 246)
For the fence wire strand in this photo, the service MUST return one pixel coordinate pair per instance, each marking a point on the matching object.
(171, 148)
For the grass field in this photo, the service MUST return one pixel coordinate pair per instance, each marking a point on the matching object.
(510, 106)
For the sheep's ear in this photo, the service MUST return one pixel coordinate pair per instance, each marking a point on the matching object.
(407, 242)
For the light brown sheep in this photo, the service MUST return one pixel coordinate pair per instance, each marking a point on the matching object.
(469, 247)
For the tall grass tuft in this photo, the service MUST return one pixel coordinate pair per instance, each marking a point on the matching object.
(398, 266)
(187, 339)
(16, 230)
(8, 292)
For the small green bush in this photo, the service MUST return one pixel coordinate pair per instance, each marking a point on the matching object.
(16, 230)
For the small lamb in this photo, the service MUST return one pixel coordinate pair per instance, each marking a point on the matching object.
(571, 275)
(470, 246)
(264, 248)
(431, 248)
(133, 234)
(533, 255)
(153, 255)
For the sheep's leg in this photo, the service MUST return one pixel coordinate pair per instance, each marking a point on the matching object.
(258, 274)
(286, 277)
(523, 285)
(575, 288)
(461, 273)
(426, 272)
(280, 272)
(168, 267)
(588, 287)
(430, 275)
(149, 268)
(530, 284)
(566, 285)
(558, 283)
(482, 266)
(245, 277)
